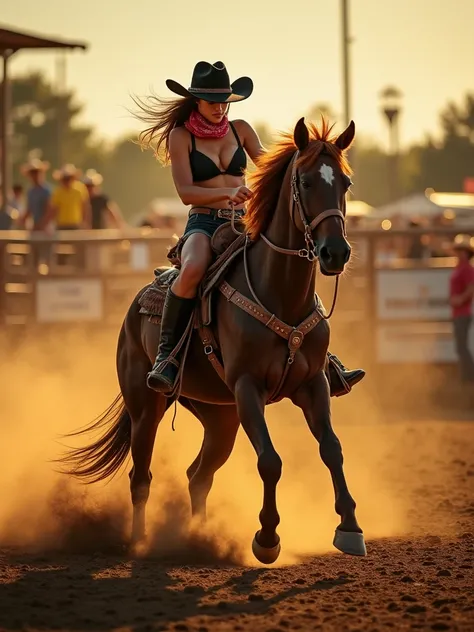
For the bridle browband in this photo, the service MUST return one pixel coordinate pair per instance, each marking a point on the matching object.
(310, 252)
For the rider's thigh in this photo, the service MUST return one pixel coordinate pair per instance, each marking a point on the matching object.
(196, 256)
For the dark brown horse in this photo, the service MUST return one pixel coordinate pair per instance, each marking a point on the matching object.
(297, 214)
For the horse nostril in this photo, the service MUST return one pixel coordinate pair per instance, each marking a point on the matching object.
(325, 253)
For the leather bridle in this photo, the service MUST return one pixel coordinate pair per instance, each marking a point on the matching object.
(310, 252)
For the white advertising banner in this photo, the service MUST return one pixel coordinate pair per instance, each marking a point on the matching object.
(69, 300)
(413, 294)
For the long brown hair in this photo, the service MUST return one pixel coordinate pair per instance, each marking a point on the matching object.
(161, 116)
(266, 181)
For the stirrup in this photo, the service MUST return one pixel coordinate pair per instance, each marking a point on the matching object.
(158, 380)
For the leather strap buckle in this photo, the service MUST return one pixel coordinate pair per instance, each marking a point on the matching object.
(295, 339)
(208, 349)
(224, 213)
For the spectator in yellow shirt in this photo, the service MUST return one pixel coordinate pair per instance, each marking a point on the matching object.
(69, 205)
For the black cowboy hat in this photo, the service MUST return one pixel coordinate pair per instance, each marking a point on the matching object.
(211, 82)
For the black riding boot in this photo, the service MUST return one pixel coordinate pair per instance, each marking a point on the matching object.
(341, 380)
(176, 314)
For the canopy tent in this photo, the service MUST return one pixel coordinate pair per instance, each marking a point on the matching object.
(358, 208)
(11, 42)
(416, 205)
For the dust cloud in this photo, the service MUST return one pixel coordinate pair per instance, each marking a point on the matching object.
(57, 382)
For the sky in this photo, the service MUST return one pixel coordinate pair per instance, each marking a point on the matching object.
(292, 51)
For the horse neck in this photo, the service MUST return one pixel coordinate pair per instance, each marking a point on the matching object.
(285, 283)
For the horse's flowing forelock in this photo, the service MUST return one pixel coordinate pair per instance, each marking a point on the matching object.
(267, 180)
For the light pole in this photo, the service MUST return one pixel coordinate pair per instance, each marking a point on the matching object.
(61, 81)
(390, 98)
(346, 40)
(5, 133)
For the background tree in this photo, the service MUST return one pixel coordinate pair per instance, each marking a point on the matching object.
(444, 163)
(134, 177)
(322, 109)
(46, 122)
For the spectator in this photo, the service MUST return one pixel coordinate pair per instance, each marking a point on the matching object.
(16, 202)
(38, 195)
(6, 218)
(105, 213)
(417, 248)
(461, 295)
(69, 205)
(17, 199)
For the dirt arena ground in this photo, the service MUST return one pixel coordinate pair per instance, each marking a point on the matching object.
(62, 559)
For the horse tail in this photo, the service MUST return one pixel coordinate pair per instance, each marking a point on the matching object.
(104, 457)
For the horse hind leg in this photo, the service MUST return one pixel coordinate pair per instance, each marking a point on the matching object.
(146, 409)
(144, 427)
(220, 424)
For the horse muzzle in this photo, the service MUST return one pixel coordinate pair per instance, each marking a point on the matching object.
(333, 254)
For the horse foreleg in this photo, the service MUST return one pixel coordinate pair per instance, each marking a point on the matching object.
(250, 405)
(220, 429)
(314, 400)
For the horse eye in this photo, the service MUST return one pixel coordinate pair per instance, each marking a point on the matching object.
(305, 183)
(347, 181)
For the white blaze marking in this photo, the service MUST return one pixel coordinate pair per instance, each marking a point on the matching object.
(327, 173)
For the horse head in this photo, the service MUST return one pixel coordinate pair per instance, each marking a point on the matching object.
(320, 180)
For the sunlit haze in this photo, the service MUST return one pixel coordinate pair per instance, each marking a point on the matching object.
(291, 50)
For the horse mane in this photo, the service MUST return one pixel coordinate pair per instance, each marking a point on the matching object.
(266, 181)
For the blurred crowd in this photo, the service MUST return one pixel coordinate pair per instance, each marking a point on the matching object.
(74, 201)
(415, 247)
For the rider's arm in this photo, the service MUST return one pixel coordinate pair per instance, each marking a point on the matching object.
(182, 176)
(112, 211)
(250, 140)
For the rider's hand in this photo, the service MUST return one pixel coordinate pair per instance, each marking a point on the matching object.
(239, 195)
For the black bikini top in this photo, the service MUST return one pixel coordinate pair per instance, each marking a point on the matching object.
(204, 168)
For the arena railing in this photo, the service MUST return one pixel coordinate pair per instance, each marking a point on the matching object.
(76, 276)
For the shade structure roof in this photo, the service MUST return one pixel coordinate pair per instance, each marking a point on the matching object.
(12, 41)
(16, 40)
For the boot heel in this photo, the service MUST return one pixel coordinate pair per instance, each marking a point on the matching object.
(340, 379)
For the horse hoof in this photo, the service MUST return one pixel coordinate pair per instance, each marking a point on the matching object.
(264, 554)
(137, 546)
(350, 542)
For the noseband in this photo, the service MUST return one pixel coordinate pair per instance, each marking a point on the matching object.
(310, 252)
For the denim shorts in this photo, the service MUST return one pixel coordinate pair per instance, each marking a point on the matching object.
(206, 224)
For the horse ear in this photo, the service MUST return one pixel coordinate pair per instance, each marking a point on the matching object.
(344, 140)
(301, 135)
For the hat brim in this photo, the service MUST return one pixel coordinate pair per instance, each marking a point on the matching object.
(241, 88)
(60, 175)
(94, 181)
(463, 246)
(28, 168)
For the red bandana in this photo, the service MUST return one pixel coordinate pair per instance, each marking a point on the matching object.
(202, 128)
